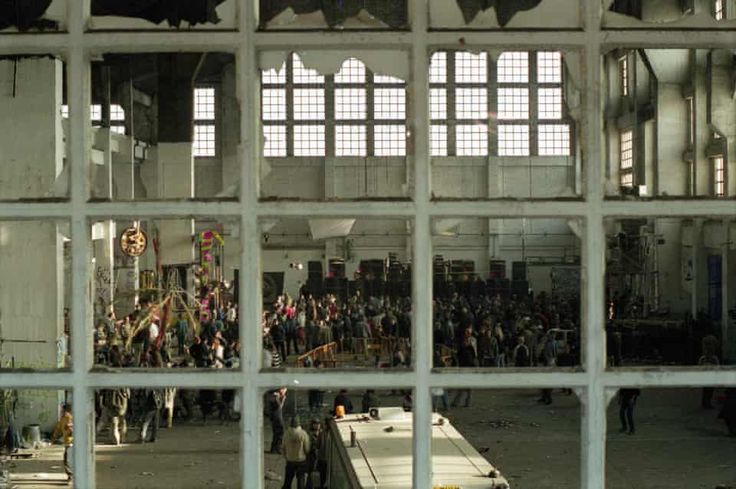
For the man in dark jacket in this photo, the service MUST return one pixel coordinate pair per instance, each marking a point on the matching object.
(627, 401)
(467, 356)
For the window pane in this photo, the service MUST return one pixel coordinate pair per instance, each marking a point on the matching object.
(204, 140)
(438, 68)
(471, 103)
(390, 140)
(513, 140)
(274, 76)
(117, 113)
(513, 103)
(627, 149)
(513, 67)
(274, 104)
(309, 140)
(549, 67)
(166, 417)
(95, 112)
(549, 103)
(35, 280)
(438, 140)
(352, 71)
(438, 103)
(472, 140)
(305, 75)
(204, 104)
(389, 103)
(554, 140)
(350, 104)
(471, 68)
(309, 104)
(350, 141)
(275, 145)
(386, 79)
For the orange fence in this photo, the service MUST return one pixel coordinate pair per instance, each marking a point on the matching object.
(324, 353)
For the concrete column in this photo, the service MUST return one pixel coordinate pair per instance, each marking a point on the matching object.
(30, 91)
(700, 269)
(230, 129)
(103, 280)
(31, 252)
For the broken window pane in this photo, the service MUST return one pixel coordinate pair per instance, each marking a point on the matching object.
(514, 14)
(114, 15)
(645, 14)
(32, 101)
(667, 297)
(667, 123)
(332, 118)
(506, 292)
(35, 279)
(657, 435)
(174, 132)
(524, 104)
(338, 291)
(524, 438)
(346, 14)
(43, 16)
(165, 293)
(359, 435)
(135, 425)
(39, 426)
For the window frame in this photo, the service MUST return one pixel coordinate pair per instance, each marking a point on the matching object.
(200, 122)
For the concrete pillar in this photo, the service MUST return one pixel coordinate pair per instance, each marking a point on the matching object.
(30, 91)
(31, 252)
(103, 281)
(702, 133)
(230, 129)
(700, 269)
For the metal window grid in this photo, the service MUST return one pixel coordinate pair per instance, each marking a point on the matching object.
(626, 158)
(718, 9)
(352, 96)
(472, 139)
(513, 140)
(554, 140)
(594, 384)
(623, 68)
(204, 143)
(513, 67)
(719, 177)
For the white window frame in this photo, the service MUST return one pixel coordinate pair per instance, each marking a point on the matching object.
(623, 73)
(720, 178)
(594, 383)
(626, 158)
(201, 122)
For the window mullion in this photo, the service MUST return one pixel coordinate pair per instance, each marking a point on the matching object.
(450, 87)
(533, 104)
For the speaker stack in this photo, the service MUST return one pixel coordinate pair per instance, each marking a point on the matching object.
(314, 278)
(519, 281)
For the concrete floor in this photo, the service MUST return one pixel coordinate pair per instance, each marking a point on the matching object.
(677, 445)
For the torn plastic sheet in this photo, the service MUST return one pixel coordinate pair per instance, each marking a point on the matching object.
(26, 15)
(288, 19)
(173, 11)
(328, 62)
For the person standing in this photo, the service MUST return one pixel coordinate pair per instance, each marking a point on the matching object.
(64, 429)
(549, 353)
(627, 400)
(317, 458)
(467, 356)
(709, 358)
(276, 413)
(182, 328)
(114, 408)
(296, 450)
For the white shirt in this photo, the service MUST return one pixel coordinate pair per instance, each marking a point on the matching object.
(153, 331)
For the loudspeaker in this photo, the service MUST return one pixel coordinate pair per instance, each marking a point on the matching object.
(338, 287)
(518, 270)
(273, 286)
(497, 269)
(314, 269)
(336, 268)
(520, 288)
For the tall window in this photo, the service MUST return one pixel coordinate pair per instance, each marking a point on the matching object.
(510, 107)
(623, 69)
(719, 177)
(719, 10)
(204, 142)
(626, 166)
(365, 116)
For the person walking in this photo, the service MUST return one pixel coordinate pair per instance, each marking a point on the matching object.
(152, 403)
(549, 354)
(296, 450)
(114, 408)
(627, 400)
